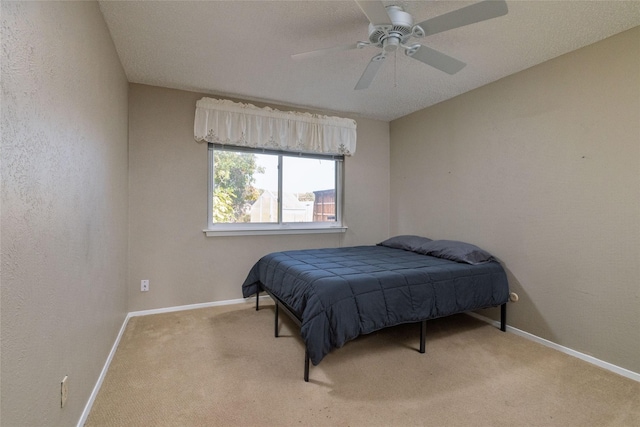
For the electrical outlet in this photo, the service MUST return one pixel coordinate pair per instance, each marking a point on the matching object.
(64, 391)
(144, 285)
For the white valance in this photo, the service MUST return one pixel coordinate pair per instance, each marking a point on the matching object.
(226, 122)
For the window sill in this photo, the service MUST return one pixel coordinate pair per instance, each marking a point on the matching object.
(272, 230)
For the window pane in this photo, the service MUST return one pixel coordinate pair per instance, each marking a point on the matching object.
(265, 208)
(236, 178)
(309, 190)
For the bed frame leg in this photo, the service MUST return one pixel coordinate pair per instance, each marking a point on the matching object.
(503, 317)
(423, 335)
(258, 300)
(306, 366)
(276, 324)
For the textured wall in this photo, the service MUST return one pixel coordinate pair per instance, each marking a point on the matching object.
(64, 207)
(542, 169)
(168, 206)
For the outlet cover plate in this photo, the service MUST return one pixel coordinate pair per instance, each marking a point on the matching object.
(64, 390)
(144, 285)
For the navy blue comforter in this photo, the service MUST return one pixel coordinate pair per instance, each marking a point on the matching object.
(341, 293)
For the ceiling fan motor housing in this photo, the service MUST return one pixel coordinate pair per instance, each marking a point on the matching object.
(390, 37)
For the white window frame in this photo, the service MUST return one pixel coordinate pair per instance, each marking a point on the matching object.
(244, 229)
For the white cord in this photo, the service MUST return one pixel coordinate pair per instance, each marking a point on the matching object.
(395, 68)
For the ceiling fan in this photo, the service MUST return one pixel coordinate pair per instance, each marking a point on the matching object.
(391, 28)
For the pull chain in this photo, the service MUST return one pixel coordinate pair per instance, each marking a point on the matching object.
(395, 68)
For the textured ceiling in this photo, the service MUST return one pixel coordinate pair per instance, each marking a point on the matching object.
(243, 49)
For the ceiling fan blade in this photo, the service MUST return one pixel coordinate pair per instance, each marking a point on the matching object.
(471, 14)
(438, 60)
(321, 52)
(370, 72)
(375, 11)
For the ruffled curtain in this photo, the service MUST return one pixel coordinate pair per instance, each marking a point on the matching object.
(226, 122)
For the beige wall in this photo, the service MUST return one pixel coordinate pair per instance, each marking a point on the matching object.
(168, 206)
(64, 207)
(542, 169)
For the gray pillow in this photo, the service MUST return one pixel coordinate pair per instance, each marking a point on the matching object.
(407, 242)
(455, 251)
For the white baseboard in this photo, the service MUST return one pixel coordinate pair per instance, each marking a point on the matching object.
(103, 373)
(247, 301)
(590, 359)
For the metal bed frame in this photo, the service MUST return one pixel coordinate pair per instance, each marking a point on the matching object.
(279, 304)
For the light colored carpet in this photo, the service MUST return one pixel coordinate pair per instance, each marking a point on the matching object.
(222, 366)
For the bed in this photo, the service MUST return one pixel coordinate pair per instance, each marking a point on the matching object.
(338, 294)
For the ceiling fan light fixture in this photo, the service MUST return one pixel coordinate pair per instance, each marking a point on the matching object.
(391, 44)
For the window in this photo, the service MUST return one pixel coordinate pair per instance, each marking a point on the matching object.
(254, 191)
